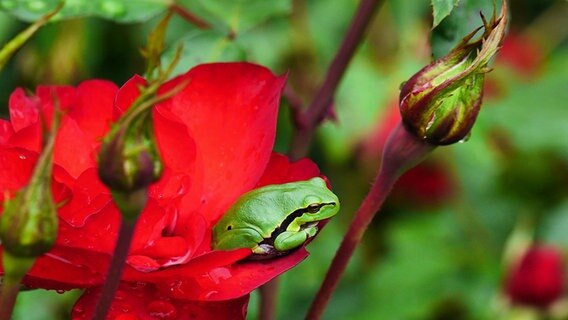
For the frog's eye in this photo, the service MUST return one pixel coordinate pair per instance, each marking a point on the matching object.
(313, 208)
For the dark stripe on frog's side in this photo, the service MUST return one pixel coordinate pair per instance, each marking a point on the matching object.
(281, 228)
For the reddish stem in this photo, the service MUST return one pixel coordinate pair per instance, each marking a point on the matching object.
(402, 151)
(8, 297)
(321, 104)
(268, 296)
(115, 269)
(190, 17)
(306, 123)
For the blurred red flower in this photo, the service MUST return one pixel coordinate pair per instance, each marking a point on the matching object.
(215, 138)
(522, 54)
(538, 278)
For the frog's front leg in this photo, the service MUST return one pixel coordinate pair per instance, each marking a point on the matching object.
(289, 240)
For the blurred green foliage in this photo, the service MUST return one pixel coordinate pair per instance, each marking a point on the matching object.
(441, 259)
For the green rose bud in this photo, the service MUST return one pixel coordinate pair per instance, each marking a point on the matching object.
(129, 159)
(28, 225)
(440, 103)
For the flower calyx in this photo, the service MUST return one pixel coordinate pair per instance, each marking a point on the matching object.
(440, 103)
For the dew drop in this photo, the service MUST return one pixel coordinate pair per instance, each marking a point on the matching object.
(113, 8)
(22, 157)
(7, 4)
(220, 274)
(466, 138)
(36, 6)
(60, 291)
(162, 310)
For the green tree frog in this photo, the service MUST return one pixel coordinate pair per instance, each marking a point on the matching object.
(275, 219)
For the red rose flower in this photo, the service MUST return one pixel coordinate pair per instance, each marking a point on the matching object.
(215, 138)
(538, 278)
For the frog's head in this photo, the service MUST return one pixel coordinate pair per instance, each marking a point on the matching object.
(318, 202)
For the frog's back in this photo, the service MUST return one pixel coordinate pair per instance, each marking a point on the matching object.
(265, 208)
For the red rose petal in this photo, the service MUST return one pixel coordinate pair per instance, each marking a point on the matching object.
(280, 170)
(6, 131)
(127, 94)
(230, 111)
(142, 263)
(152, 223)
(171, 187)
(167, 247)
(29, 138)
(63, 96)
(142, 301)
(90, 197)
(73, 150)
(229, 281)
(177, 148)
(94, 108)
(67, 268)
(16, 166)
(98, 235)
(24, 110)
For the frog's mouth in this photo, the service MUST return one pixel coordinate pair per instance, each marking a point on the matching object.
(309, 225)
(268, 244)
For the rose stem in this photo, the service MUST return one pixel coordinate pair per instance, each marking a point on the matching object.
(322, 102)
(402, 152)
(189, 16)
(306, 123)
(115, 269)
(15, 268)
(8, 298)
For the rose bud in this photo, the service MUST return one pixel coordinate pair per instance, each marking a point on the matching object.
(129, 159)
(537, 279)
(28, 225)
(440, 103)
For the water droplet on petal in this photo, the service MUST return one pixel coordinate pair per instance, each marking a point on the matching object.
(219, 274)
(36, 6)
(162, 310)
(113, 8)
(60, 291)
(22, 157)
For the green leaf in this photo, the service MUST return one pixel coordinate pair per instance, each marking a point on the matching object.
(237, 15)
(202, 47)
(125, 11)
(463, 19)
(442, 9)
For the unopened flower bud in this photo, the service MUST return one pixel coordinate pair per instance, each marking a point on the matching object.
(538, 278)
(440, 103)
(28, 225)
(129, 159)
